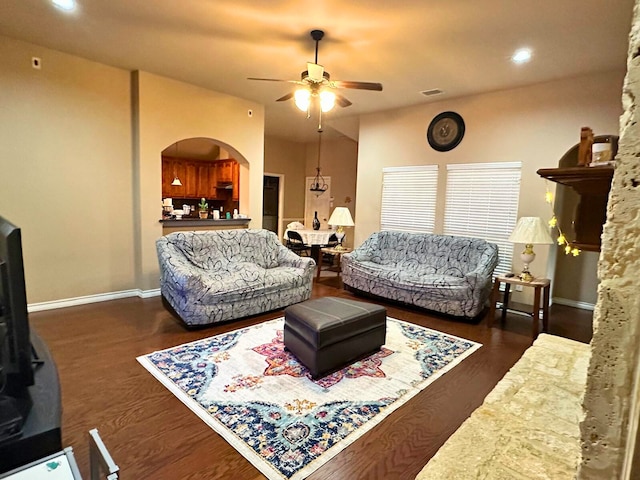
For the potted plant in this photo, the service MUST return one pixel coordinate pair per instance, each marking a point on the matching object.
(204, 208)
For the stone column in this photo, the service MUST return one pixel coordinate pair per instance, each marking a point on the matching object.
(611, 402)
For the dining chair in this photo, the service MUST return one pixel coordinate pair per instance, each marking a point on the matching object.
(328, 258)
(296, 244)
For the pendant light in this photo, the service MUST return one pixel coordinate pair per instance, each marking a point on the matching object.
(176, 181)
(319, 186)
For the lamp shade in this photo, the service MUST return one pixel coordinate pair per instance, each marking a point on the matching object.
(341, 216)
(531, 230)
(302, 99)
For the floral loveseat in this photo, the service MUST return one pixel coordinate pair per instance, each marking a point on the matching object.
(217, 275)
(447, 274)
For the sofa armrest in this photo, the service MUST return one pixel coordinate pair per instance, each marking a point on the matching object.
(483, 271)
(175, 268)
(359, 255)
(289, 259)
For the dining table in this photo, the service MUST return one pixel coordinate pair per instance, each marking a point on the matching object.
(316, 239)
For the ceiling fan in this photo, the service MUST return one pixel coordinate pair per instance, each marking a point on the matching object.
(317, 83)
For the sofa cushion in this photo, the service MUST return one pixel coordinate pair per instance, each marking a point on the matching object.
(247, 280)
(234, 246)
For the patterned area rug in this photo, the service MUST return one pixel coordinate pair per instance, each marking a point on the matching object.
(262, 401)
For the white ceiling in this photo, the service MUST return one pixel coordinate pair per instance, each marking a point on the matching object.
(460, 46)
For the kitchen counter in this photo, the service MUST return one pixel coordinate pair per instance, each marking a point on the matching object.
(191, 224)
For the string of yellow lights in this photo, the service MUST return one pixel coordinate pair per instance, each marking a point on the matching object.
(569, 248)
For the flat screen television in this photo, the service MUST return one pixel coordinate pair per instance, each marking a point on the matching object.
(16, 366)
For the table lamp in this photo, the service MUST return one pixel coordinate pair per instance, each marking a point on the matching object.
(341, 217)
(530, 231)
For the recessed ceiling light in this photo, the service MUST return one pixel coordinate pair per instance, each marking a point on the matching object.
(66, 5)
(522, 55)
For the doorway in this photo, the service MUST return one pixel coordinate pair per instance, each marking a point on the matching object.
(271, 203)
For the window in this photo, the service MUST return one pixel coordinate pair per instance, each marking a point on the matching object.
(482, 202)
(409, 198)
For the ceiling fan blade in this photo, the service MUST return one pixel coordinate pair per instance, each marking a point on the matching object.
(342, 101)
(358, 85)
(315, 72)
(267, 79)
(285, 97)
(297, 82)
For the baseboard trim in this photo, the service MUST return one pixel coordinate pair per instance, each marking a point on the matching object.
(574, 303)
(100, 297)
(149, 293)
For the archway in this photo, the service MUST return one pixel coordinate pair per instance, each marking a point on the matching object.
(197, 168)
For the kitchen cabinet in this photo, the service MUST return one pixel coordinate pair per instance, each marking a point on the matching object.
(201, 178)
(190, 180)
(171, 168)
(212, 191)
(225, 170)
(235, 193)
(203, 188)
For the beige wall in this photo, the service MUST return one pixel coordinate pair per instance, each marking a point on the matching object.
(81, 165)
(65, 158)
(170, 110)
(535, 125)
(288, 159)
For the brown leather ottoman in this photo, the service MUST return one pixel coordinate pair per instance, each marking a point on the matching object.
(327, 334)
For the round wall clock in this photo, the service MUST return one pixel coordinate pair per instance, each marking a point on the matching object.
(445, 131)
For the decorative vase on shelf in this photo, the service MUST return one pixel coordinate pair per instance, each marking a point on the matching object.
(316, 222)
(203, 214)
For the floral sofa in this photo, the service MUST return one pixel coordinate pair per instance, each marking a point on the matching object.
(447, 274)
(217, 275)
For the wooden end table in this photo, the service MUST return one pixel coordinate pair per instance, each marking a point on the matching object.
(541, 286)
(337, 259)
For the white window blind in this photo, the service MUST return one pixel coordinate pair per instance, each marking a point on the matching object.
(482, 202)
(409, 198)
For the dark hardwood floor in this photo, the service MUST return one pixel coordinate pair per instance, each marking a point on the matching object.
(152, 435)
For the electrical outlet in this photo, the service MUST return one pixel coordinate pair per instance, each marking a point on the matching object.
(519, 288)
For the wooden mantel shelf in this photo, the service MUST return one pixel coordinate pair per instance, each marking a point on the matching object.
(592, 184)
(584, 180)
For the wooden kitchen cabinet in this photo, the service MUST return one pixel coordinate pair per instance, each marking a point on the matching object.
(235, 193)
(172, 168)
(225, 170)
(213, 181)
(190, 180)
(201, 178)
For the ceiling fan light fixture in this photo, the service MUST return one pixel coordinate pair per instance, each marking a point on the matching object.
(327, 100)
(302, 97)
(315, 72)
